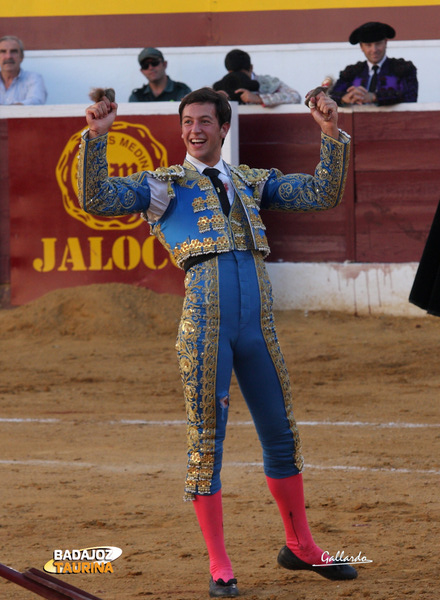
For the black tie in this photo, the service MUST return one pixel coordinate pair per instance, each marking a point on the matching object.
(373, 83)
(220, 188)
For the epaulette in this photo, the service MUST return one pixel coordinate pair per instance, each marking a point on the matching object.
(352, 71)
(168, 173)
(251, 177)
(401, 67)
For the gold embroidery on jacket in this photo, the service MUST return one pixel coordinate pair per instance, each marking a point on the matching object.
(296, 193)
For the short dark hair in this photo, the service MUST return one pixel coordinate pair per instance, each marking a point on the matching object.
(234, 81)
(207, 95)
(236, 60)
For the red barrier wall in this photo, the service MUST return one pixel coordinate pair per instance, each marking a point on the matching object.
(291, 142)
(391, 194)
(53, 243)
(390, 199)
(4, 214)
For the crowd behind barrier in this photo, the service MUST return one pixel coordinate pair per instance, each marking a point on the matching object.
(69, 75)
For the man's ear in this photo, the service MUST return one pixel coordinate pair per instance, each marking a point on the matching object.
(165, 64)
(224, 129)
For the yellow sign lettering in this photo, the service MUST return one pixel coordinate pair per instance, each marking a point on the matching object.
(73, 255)
(47, 263)
(127, 253)
(148, 255)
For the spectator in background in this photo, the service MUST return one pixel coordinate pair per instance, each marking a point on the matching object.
(378, 80)
(16, 85)
(272, 91)
(160, 87)
(236, 80)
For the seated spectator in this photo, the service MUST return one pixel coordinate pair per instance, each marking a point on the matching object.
(160, 87)
(16, 85)
(378, 80)
(272, 91)
(234, 81)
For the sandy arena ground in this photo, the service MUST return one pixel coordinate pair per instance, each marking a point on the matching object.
(92, 450)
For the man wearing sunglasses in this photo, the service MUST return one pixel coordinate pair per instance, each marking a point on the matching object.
(160, 87)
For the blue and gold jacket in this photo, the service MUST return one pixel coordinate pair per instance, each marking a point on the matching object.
(193, 222)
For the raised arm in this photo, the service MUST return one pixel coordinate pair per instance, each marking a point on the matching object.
(325, 112)
(302, 192)
(97, 192)
(100, 116)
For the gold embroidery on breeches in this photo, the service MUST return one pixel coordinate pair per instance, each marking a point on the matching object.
(197, 345)
(269, 334)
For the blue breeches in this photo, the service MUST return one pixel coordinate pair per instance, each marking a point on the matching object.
(227, 324)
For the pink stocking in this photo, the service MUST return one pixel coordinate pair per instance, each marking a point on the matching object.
(289, 496)
(209, 513)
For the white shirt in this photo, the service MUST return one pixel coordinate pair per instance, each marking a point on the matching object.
(159, 189)
(370, 69)
(224, 174)
(27, 88)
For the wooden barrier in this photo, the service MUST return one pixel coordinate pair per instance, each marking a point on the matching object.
(391, 193)
(291, 142)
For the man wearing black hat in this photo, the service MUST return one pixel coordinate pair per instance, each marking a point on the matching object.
(160, 87)
(378, 80)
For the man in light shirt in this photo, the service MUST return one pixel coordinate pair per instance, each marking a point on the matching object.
(16, 85)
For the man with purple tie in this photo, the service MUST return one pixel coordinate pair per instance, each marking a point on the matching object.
(378, 80)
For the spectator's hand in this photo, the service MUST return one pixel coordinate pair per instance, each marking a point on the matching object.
(325, 112)
(358, 95)
(248, 97)
(354, 95)
(100, 117)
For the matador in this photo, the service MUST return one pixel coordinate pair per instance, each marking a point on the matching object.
(206, 213)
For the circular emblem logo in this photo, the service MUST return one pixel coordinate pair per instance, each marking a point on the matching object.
(130, 148)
